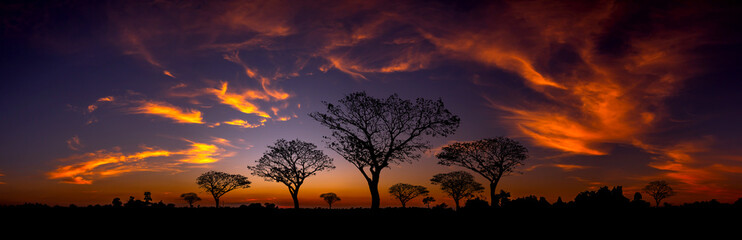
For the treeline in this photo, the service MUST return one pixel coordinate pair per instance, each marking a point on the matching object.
(603, 198)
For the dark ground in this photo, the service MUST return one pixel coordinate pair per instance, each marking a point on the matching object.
(414, 223)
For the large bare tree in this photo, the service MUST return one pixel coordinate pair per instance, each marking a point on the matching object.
(291, 163)
(458, 185)
(405, 192)
(220, 183)
(374, 133)
(492, 158)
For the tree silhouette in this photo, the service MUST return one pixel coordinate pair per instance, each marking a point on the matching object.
(291, 163)
(492, 158)
(190, 198)
(147, 197)
(117, 202)
(405, 192)
(373, 133)
(428, 200)
(603, 198)
(503, 198)
(220, 183)
(458, 185)
(330, 198)
(658, 190)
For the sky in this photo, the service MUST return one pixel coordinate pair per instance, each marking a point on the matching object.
(106, 99)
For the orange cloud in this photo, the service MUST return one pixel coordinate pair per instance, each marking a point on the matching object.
(240, 102)
(167, 110)
(166, 72)
(103, 163)
(245, 124)
(265, 82)
(588, 102)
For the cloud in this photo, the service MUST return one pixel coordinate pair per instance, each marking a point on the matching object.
(74, 143)
(241, 102)
(87, 167)
(168, 73)
(245, 124)
(167, 110)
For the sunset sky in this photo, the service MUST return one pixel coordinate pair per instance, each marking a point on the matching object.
(105, 99)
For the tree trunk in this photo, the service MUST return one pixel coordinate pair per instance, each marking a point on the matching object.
(373, 186)
(295, 196)
(217, 202)
(493, 195)
(456, 202)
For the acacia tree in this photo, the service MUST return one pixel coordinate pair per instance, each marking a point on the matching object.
(405, 192)
(291, 163)
(458, 185)
(658, 190)
(428, 200)
(330, 198)
(190, 198)
(492, 158)
(373, 133)
(220, 183)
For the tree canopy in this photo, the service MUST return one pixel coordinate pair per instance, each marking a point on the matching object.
(405, 192)
(659, 190)
(190, 198)
(291, 163)
(374, 133)
(330, 198)
(492, 158)
(458, 185)
(220, 183)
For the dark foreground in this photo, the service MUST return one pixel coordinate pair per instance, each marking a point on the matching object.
(399, 222)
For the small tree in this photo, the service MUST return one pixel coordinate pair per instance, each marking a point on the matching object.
(405, 192)
(458, 185)
(658, 190)
(374, 134)
(190, 198)
(330, 198)
(428, 200)
(492, 158)
(291, 163)
(147, 197)
(117, 202)
(220, 183)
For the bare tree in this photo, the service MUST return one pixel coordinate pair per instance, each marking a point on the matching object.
(658, 190)
(330, 198)
(405, 192)
(458, 185)
(291, 163)
(373, 133)
(190, 198)
(492, 158)
(220, 183)
(428, 200)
